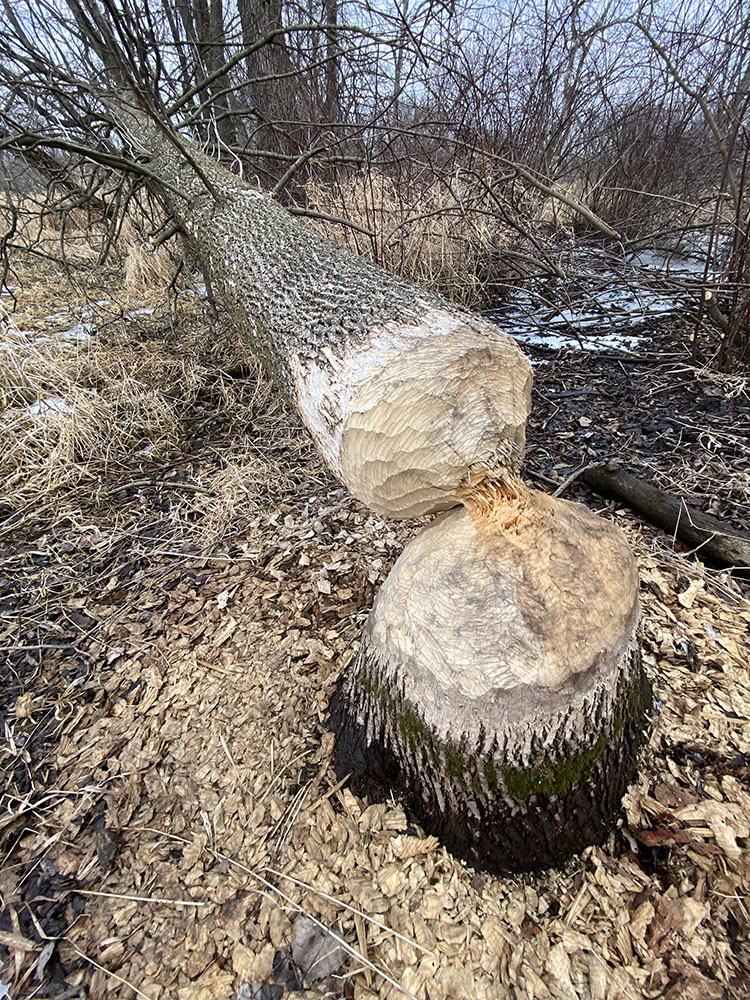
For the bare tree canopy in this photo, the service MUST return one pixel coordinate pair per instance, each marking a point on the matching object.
(626, 120)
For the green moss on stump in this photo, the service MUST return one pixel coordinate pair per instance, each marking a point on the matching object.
(551, 776)
(492, 813)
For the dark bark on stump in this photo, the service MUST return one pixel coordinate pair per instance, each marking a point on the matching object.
(493, 820)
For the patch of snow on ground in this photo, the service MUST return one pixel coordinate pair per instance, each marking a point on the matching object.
(49, 407)
(146, 452)
(58, 318)
(79, 333)
(663, 263)
(198, 292)
(41, 409)
(601, 300)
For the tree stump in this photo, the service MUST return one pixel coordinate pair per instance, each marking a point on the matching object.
(499, 685)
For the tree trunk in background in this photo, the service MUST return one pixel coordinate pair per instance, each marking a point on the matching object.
(332, 63)
(271, 86)
(203, 21)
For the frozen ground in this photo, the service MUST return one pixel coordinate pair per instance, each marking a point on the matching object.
(42, 330)
(600, 302)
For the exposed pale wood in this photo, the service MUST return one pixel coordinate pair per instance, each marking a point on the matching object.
(409, 398)
(433, 416)
(499, 682)
(713, 540)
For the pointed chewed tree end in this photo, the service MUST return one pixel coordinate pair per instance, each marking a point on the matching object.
(499, 686)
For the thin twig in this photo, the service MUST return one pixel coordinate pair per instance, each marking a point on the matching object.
(325, 217)
(142, 899)
(107, 972)
(572, 478)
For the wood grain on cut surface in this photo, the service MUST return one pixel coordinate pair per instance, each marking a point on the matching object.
(475, 613)
(444, 408)
(499, 679)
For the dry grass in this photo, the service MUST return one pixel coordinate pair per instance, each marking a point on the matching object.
(81, 240)
(116, 415)
(145, 268)
(75, 237)
(70, 415)
(445, 234)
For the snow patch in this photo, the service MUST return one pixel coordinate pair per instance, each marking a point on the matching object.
(78, 333)
(670, 263)
(41, 409)
(602, 299)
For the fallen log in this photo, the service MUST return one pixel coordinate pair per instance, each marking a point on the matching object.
(410, 399)
(712, 540)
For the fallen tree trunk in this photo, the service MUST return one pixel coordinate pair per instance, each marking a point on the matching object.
(410, 399)
(499, 685)
(499, 681)
(711, 539)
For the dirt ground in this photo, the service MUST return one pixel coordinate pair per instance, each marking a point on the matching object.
(171, 826)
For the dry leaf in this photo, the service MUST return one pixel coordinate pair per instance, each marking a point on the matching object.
(405, 847)
(687, 597)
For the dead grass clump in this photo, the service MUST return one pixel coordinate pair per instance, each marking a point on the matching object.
(68, 415)
(112, 415)
(440, 234)
(73, 237)
(145, 269)
(234, 495)
(81, 238)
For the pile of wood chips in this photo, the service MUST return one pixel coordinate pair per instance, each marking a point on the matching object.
(195, 815)
(187, 837)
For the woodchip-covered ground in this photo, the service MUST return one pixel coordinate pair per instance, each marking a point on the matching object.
(173, 622)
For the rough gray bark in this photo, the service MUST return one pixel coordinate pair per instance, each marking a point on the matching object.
(272, 86)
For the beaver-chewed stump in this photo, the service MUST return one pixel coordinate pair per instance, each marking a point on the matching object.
(499, 685)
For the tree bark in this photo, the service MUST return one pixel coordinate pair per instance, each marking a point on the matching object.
(499, 682)
(712, 539)
(203, 21)
(410, 399)
(272, 85)
(332, 63)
